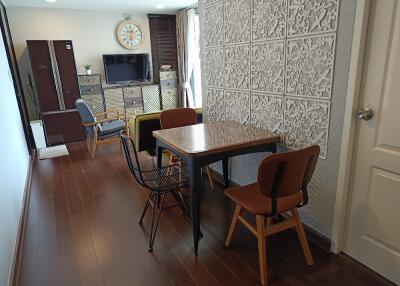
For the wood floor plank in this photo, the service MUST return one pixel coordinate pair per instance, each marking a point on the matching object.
(82, 229)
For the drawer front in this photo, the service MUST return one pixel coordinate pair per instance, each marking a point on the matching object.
(132, 112)
(151, 98)
(95, 102)
(169, 91)
(131, 102)
(114, 99)
(167, 75)
(169, 101)
(90, 89)
(169, 84)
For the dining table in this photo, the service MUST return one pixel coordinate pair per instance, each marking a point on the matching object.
(205, 143)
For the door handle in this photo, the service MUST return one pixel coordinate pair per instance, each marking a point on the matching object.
(366, 113)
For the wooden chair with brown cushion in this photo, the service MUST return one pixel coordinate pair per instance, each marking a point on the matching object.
(180, 117)
(281, 188)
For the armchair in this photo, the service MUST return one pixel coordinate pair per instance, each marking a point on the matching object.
(101, 128)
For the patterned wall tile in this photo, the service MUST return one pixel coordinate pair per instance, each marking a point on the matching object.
(306, 123)
(267, 112)
(237, 21)
(213, 32)
(215, 105)
(213, 65)
(267, 66)
(309, 66)
(237, 67)
(307, 17)
(268, 19)
(237, 106)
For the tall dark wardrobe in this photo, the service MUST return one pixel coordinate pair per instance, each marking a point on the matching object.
(55, 80)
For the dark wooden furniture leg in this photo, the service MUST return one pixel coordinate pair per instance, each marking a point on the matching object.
(225, 164)
(195, 189)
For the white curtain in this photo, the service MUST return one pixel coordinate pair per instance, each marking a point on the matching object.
(185, 41)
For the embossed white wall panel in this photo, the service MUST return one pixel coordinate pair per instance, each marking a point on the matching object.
(274, 64)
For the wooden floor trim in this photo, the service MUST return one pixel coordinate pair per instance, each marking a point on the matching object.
(16, 262)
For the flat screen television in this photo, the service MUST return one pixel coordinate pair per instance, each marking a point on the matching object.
(126, 68)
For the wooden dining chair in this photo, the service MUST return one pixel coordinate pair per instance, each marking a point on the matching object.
(180, 117)
(281, 188)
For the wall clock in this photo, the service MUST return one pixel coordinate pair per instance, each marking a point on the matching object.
(129, 35)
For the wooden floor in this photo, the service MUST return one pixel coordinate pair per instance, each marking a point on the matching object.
(82, 229)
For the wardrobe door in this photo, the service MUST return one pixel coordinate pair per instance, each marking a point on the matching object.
(67, 72)
(43, 73)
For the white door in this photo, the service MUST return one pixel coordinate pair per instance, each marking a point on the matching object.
(373, 226)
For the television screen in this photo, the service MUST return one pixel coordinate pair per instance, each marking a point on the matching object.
(126, 68)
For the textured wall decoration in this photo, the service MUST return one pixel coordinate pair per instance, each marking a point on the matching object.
(311, 104)
(267, 66)
(306, 123)
(273, 52)
(237, 21)
(214, 67)
(309, 66)
(237, 106)
(214, 30)
(312, 16)
(237, 67)
(267, 112)
(215, 105)
(268, 19)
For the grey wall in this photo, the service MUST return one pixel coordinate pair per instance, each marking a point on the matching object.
(14, 160)
(283, 66)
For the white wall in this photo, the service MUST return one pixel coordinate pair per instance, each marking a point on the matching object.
(14, 160)
(92, 34)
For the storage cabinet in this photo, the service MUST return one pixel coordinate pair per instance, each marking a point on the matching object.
(169, 89)
(56, 87)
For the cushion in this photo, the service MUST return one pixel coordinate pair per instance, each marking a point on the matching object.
(110, 127)
(252, 200)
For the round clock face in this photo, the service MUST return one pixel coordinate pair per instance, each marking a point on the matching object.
(129, 35)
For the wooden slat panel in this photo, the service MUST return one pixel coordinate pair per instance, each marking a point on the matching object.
(163, 43)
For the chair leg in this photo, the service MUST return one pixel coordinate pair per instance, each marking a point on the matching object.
(94, 145)
(146, 207)
(210, 177)
(233, 225)
(261, 249)
(302, 237)
(155, 227)
(88, 143)
(171, 159)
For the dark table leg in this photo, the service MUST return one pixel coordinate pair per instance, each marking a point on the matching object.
(159, 152)
(273, 148)
(195, 189)
(225, 163)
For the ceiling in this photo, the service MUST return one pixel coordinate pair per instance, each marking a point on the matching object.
(134, 6)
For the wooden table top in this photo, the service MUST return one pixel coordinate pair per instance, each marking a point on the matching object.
(209, 138)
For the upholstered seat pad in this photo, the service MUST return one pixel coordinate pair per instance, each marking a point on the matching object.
(251, 199)
(110, 127)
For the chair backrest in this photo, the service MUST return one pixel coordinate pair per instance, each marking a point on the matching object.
(84, 111)
(133, 163)
(178, 117)
(285, 174)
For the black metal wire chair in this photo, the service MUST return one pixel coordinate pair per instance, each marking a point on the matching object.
(160, 181)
